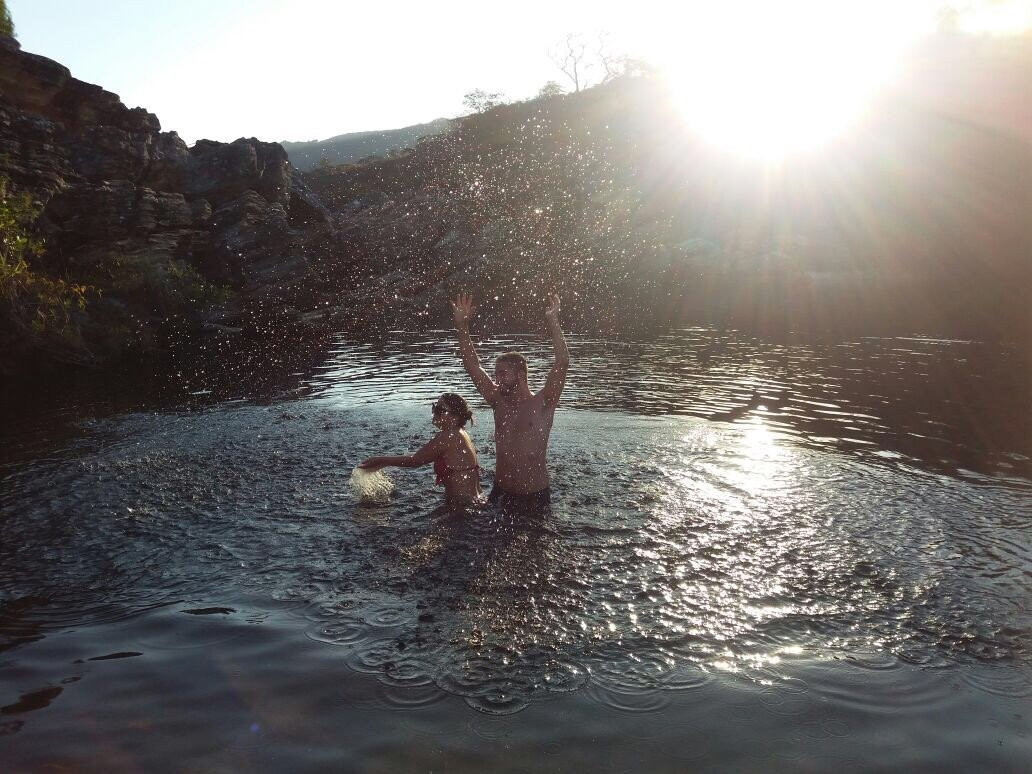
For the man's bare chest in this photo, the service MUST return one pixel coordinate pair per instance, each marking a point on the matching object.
(523, 419)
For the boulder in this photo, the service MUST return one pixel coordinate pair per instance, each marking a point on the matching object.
(38, 85)
(30, 155)
(305, 206)
(112, 210)
(161, 211)
(168, 164)
(103, 212)
(105, 152)
(200, 211)
(249, 221)
(221, 172)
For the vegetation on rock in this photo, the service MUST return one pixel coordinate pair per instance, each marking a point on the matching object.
(6, 24)
(36, 310)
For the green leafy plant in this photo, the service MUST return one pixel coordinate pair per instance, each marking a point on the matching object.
(31, 302)
(155, 284)
(6, 24)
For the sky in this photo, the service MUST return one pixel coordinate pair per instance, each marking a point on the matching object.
(293, 70)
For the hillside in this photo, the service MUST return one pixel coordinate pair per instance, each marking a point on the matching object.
(345, 148)
(915, 221)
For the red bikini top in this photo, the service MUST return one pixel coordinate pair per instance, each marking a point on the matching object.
(443, 471)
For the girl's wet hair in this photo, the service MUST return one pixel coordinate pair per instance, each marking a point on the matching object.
(457, 406)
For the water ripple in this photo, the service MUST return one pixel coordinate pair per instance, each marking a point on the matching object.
(684, 541)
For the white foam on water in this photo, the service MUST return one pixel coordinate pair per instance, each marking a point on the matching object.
(371, 487)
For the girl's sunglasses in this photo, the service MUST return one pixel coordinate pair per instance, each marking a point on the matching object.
(437, 408)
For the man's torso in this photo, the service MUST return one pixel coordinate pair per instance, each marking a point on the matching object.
(521, 443)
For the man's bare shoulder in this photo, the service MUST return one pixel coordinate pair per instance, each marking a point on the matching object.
(541, 398)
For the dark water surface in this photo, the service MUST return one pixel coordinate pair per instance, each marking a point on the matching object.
(838, 578)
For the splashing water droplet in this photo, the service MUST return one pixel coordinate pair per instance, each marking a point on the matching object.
(369, 487)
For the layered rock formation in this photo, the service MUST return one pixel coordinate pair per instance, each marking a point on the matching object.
(112, 185)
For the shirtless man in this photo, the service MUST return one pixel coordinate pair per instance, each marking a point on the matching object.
(523, 419)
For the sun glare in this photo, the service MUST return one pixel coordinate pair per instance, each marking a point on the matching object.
(782, 79)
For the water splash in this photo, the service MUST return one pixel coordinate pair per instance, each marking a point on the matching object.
(371, 487)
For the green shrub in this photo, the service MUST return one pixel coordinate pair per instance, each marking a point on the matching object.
(31, 302)
(6, 25)
(155, 284)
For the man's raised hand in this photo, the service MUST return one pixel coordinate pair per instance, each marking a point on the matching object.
(552, 310)
(462, 309)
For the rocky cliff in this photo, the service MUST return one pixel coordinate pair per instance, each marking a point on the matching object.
(138, 215)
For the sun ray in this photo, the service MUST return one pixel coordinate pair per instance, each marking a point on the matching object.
(789, 81)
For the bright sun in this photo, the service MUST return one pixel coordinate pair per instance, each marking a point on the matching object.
(782, 78)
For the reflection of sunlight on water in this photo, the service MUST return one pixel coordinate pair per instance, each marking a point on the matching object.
(764, 464)
(814, 396)
(736, 575)
(677, 550)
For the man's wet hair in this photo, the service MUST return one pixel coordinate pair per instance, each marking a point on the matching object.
(457, 406)
(516, 360)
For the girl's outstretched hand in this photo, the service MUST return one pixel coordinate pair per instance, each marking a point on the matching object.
(371, 465)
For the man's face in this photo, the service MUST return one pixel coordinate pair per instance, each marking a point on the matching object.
(507, 377)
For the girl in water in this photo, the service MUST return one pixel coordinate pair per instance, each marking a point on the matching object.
(451, 451)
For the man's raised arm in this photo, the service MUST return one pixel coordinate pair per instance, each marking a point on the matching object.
(557, 376)
(462, 310)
